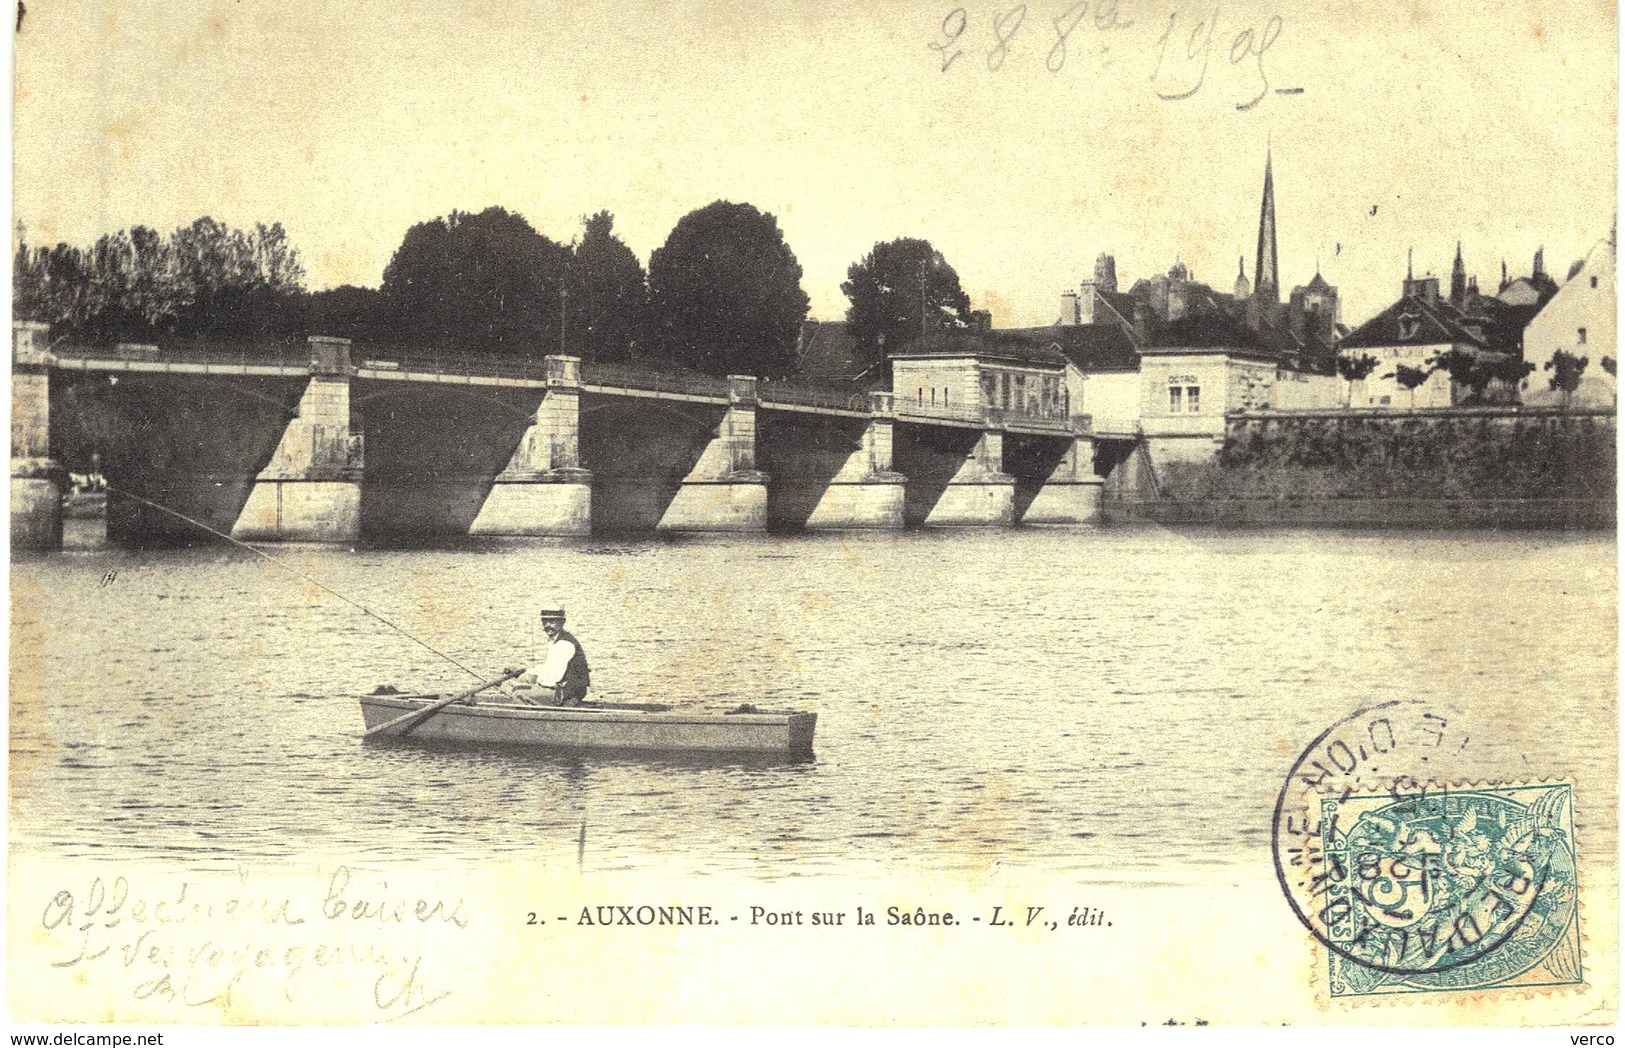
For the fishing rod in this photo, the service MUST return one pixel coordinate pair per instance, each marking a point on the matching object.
(290, 568)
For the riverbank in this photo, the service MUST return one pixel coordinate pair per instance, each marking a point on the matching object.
(1541, 514)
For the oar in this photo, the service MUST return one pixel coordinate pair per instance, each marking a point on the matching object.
(440, 704)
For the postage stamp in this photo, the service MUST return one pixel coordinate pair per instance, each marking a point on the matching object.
(1450, 889)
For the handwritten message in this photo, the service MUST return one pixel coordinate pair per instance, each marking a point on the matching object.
(1181, 51)
(196, 944)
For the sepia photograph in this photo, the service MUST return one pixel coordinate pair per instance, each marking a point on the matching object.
(836, 514)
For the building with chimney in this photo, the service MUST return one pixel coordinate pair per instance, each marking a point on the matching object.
(1407, 338)
(1170, 355)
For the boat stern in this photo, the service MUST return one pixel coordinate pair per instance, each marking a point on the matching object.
(800, 733)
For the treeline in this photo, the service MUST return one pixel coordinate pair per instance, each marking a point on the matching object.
(722, 295)
(1539, 457)
(203, 281)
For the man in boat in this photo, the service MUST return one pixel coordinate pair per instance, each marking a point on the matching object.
(562, 677)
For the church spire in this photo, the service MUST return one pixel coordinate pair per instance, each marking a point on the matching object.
(1265, 279)
(1458, 279)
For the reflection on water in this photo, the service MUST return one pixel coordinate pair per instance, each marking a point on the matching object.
(1073, 700)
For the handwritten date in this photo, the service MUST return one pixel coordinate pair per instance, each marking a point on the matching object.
(1181, 56)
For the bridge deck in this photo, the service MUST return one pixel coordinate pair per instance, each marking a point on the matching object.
(293, 361)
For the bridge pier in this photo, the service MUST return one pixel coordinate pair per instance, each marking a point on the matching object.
(866, 492)
(543, 490)
(724, 491)
(36, 479)
(1071, 492)
(956, 478)
(980, 494)
(311, 489)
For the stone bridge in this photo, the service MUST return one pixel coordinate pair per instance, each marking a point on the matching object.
(310, 443)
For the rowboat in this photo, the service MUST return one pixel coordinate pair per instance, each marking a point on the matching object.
(594, 726)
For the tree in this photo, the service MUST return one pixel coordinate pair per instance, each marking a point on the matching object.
(1409, 378)
(1566, 369)
(481, 282)
(898, 290)
(607, 312)
(233, 284)
(1507, 374)
(205, 281)
(725, 291)
(1466, 372)
(1355, 369)
(1609, 364)
(356, 313)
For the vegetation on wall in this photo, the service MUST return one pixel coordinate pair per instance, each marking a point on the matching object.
(1546, 456)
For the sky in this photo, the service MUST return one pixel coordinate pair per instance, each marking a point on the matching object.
(1395, 126)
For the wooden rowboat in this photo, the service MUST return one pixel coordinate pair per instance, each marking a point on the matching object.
(595, 726)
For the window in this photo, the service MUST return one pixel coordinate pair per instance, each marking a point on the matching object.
(1409, 324)
(1184, 395)
(1582, 336)
(1593, 281)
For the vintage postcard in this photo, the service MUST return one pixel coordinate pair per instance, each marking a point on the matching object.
(934, 513)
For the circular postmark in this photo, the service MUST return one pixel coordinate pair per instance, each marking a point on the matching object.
(1405, 876)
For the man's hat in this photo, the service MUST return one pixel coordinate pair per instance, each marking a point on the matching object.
(553, 611)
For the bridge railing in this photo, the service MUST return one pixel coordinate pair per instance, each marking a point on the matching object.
(987, 416)
(1028, 420)
(652, 380)
(1116, 425)
(835, 398)
(290, 355)
(907, 407)
(481, 365)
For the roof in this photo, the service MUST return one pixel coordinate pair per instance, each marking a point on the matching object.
(1480, 321)
(828, 350)
(1120, 307)
(1007, 346)
(1385, 329)
(1531, 290)
(1103, 346)
(1208, 331)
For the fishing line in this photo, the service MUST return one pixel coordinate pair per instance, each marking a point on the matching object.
(288, 567)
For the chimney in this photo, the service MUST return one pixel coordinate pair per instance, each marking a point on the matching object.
(1069, 309)
(1142, 323)
(1106, 272)
(1086, 302)
(981, 321)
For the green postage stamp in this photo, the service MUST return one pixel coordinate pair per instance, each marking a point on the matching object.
(1451, 890)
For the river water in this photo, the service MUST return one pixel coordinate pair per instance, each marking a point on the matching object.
(1062, 700)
